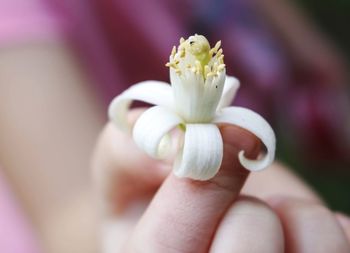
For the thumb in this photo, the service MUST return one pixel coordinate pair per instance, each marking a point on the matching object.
(184, 214)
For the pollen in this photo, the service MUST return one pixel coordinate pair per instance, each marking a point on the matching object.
(195, 55)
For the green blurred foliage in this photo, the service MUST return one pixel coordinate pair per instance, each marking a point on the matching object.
(331, 181)
(333, 17)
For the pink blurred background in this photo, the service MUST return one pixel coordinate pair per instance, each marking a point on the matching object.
(291, 68)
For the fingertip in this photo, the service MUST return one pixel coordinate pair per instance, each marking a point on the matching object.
(310, 227)
(232, 174)
(249, 225)
(240, 139)
(185, 213)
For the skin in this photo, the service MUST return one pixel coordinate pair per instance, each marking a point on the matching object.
(58, 198)
(146, 208)
(46, 160)
(49, 124)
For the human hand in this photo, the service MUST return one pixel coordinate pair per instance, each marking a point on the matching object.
(147, 209)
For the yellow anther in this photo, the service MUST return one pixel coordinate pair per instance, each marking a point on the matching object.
(217, 45)
(196, 55)
(219, 53)
(182, 53)
(198, 66)
(210, 74)
(221, 67)
(173, 51)
(212, 52)
(171, 65)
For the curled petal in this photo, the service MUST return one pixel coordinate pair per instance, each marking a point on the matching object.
(255, 124)
(201, 155)
(230, 89)
(151, 128)
(152, 92)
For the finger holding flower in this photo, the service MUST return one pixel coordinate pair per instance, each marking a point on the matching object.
(197, 216)
(196, 101)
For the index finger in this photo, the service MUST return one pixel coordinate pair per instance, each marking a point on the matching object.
(184, 213)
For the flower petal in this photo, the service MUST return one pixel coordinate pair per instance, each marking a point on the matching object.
(202, 152)
(255, 124)
(196, 98)
(152, 92)
(151, 128)
(230, 89)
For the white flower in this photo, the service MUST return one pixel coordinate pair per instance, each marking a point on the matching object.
(196, 101)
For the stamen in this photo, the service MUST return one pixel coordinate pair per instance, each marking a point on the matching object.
(219, 53)
(183, 53)
(196, 55)
(210, 74)
(198, 66)
(217, 45)
(173, 51)
(221, 67)
(212, 52)
(221, 59)
(171, 64)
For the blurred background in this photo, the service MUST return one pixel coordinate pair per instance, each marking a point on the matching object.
(62, 61)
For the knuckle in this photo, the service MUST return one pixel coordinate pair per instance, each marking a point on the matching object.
(250, 206)
(308, 222)
(302, 207)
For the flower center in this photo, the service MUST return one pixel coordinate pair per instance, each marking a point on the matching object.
(196, 55)
(197, 76)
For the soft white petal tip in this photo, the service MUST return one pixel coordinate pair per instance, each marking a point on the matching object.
(151, 131)
(255, 124)
(201, 155)
(193, 175)
(253, 165)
